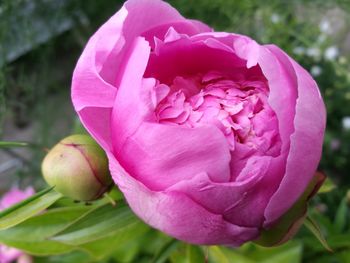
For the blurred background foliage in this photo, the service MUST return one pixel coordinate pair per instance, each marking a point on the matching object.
(41, 40)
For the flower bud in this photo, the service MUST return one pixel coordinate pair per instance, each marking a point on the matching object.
(78, 168)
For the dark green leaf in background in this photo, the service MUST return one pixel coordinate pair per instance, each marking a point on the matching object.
(4, 144)
(340, 219)
(315, 229)
(165, 251)
(327, 186)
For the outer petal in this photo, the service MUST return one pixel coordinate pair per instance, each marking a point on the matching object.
(306, 142)
(161, 155)
(101, 65)
(93, 89)
(282, 82)
(186, 220)
(131, 105)
(239, 202)
(106, 44)
(150, 14)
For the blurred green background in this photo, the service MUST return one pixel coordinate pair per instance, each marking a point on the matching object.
(41, 40)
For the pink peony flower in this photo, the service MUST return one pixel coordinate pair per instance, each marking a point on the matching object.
(9, 254)
(211, 136)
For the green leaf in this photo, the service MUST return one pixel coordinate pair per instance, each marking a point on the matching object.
(124, 244)
(316, 231)
(32, 235)
(187, 253)
(98, 229)
(290, 254)
(226, 255)
(13, 144)
(69, 202)
(28, 208)
(336, 242)
(45, 225)
(165, 252)
(194, 254)
(40, 248)
(98, 223)
(343, 256)
(72, 257)
(341, 215)
(324, 222)
(327, 186)
(339, 241)
(152, 242)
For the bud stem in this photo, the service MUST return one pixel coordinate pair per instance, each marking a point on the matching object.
(110, 199)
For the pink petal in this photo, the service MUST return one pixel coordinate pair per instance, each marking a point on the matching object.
(160, 93)
(240, 202)
(306, 142)
(250, 211)
(247, 49)
(282, 81)
(185, 57)
(9, 254)
(102, 64)
(87, 80)
(201, 27)
(14, 196)
(162, 155)
(186, 220)
(134, 100)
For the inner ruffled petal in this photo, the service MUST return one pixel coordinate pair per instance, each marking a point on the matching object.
(237, 107)
(211, 85)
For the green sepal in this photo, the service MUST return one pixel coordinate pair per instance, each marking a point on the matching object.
(288, 225)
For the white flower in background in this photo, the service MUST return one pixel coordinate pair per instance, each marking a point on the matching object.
(299, 50)
(314, 52)
(331, 53)
(346, 123)
(325, 26)
(316, 70)
(275, 18)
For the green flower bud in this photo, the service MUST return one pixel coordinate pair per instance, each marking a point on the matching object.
(78, 168)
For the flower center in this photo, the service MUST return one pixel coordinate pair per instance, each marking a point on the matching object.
(237, 106)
